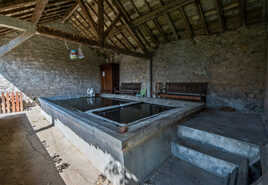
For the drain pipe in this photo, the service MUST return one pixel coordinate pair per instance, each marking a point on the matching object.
(151, 76)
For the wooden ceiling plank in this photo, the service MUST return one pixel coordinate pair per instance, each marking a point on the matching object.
(38, 11)
(170, 22)
(242, 10)
(144, 38)
(15, 5)
(147, 43)
(83, 28)
(135, 7)
(85, 12)
(174, 5)
(70, 13)
(87, 27)
(101, 21)
(160, 29)
(187, 23)
(112, 26)
(16, 24)
(202, 16)
(129, 26)
(220, 13)
(150, 32)
(265, 11)
(15, 43)
(128, 41)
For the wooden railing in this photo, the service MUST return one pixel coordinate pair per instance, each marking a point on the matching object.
(11, 102)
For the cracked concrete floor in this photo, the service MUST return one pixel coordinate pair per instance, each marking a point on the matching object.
(25, 161)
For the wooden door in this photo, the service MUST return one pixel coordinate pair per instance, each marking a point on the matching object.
(107, 79)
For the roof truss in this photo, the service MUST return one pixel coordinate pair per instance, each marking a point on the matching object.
(138, 26)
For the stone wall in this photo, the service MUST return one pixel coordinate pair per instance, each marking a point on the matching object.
(41, 67)
(134, 69)
(232, 63)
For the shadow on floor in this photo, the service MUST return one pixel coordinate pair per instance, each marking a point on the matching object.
(24, 160)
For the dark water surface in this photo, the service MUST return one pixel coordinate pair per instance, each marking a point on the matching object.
(85, 104)
(132, 113)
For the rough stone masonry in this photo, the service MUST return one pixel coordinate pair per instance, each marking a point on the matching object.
(233, 63)
(42, 67)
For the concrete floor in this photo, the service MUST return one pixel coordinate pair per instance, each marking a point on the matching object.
(25, 162)
(21, 164)
(241, 126)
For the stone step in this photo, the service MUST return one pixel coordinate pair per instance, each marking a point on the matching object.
(240, 161)
(241, 148)
(177, 172)
(202, 160)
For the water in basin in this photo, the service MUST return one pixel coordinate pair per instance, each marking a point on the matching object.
(131, 113)
(85, 103)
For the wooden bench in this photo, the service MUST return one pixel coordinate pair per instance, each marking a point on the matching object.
(130, 88)
(185, 91)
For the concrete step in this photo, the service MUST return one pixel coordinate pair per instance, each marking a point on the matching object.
(177, 172)
(241, 148)
(239, 161)
(203, 160)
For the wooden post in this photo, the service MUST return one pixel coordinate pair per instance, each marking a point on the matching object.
(3, 103)
(21, 101)
(17, 102)
(13, 103)
(8, 102)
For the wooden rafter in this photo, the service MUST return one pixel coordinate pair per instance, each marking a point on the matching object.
(170, 22)
(101, 21)
(187, 23)
(85, 12)
(56, 34)
(242, 9)
(129, 26)
(20, 25)
(220, 13)
(15, 43)
(38, 11)
(265, 11)
(138, 31)
(112, 26)
(151, 34)
(202, 16)
(70, 13)
(160, 29)
(174, 5)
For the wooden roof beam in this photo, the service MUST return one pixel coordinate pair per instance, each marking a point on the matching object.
(129, 25)
(16, 24)
(15, 43)
(187, 23)
(220, 13)
(38, 11)
(101, 21)
(56, 34)
(171, 24)
(20, 25)
(162, 11)
(70, 13)
(15, 4)
(202, 16)
(242, 9)
(265, 11)
(85, 12)
(112, 26)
